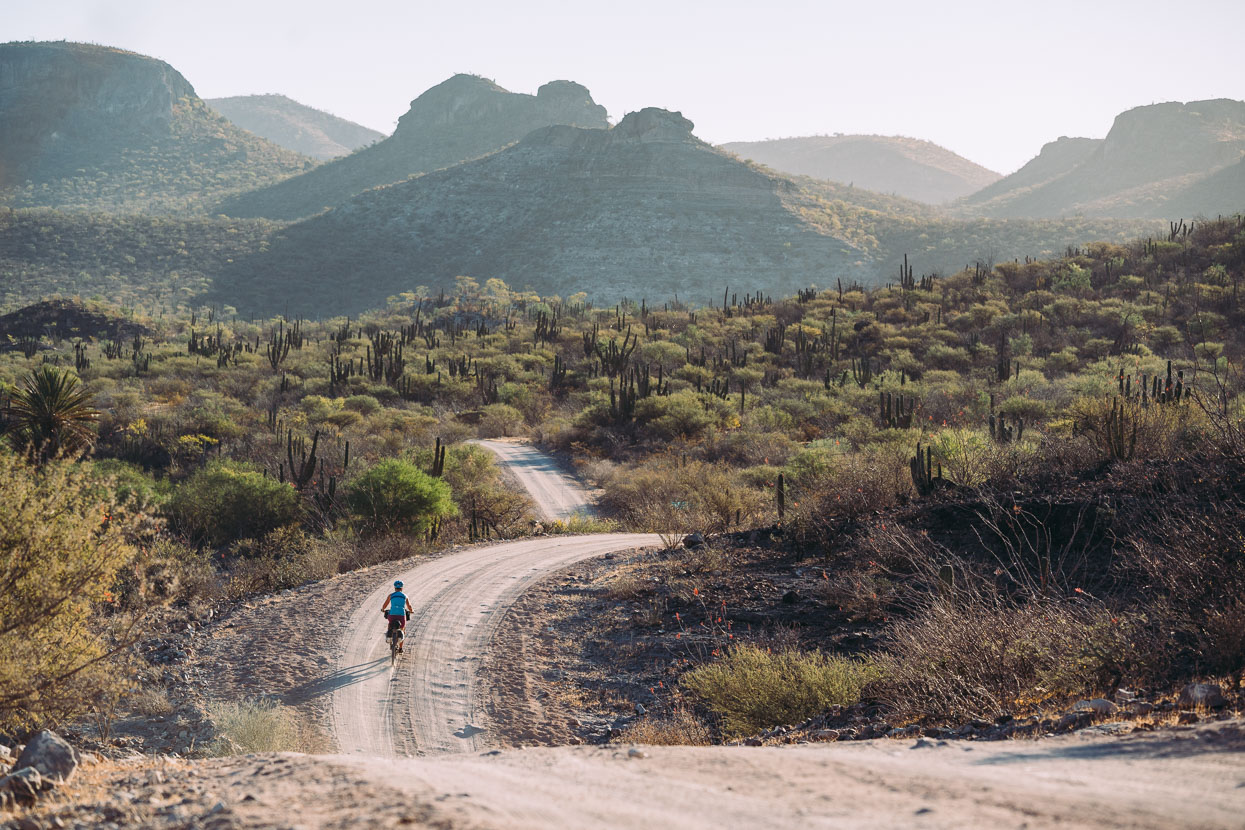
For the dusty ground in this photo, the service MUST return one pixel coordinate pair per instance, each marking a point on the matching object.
(1192, 779)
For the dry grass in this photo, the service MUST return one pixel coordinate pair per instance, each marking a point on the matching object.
(627, 586)
(255, 726)
(150, 702)
(679, 728)
(753, 688)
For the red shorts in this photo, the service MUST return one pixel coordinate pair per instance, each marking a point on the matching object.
(397, 621)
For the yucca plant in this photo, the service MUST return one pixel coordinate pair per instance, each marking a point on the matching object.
(51, 413)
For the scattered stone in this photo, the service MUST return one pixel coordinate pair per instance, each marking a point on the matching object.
(693, 540)
(51, 755)
(5, 753)
(1073, 720)
(825, 735)
(636, 753)
(1141, 709)
(904, 732)
(1185, 718)
(1098, 706)
(639, 709)
(791, 598)
(22, 787)
(1203, 694)
(921, 743)
(753, 742)
(1112, 728)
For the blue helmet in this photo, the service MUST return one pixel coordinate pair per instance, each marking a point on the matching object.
(397, 584)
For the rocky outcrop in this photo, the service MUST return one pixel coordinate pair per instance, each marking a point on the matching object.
(1155, 159)
(462, 118)
(295, 126)
(906, 167)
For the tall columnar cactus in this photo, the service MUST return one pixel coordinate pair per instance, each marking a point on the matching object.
(303, 469)
(1121, 431)
(922, 467)
(438, 460)
(780, 494)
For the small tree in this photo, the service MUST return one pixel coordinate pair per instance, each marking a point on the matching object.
(63, 543)
(397, 495)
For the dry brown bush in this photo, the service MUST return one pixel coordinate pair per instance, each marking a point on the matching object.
(670, 495)
(679, 728)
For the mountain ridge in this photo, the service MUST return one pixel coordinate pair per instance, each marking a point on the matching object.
(1150, 164)
(294, 125)
(908, 167)
(462, 118)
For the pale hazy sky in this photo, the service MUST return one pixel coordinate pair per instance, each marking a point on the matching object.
(990, 79)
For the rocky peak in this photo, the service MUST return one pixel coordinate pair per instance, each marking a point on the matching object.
(44, 82)
(469, 101)
(654, 124)
(1213, 130)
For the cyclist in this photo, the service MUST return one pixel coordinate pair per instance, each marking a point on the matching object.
(397, 610)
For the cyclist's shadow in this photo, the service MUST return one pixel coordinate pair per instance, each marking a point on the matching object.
(339, 679)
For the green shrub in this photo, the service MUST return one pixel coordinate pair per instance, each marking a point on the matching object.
(500, 420)
(227, 501)
(363, 404)
(63, 543)
(752, 688)
(397, 495)
(131, 485)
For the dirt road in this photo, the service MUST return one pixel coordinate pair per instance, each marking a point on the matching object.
(426, 704)
(557, 495)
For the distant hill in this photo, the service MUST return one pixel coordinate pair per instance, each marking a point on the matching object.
(295, 126)
(641, 210)
(1159, 161)
(459, 119)
(908, 167)
(93, 128)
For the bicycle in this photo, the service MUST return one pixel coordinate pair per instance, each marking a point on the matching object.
(395, 645)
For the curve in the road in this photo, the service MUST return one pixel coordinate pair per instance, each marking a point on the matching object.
(557, 495)
(426, 704)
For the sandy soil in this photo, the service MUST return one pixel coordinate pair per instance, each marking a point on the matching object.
(1193, 778)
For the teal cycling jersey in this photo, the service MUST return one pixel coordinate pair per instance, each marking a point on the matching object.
(397, 604)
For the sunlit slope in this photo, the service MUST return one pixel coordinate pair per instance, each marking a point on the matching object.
(87, 127)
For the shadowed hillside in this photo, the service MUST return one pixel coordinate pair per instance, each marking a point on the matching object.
(462, 118)
(93, 128)
(295, 126)
(643, 209)
(1156, 162)
(907, 167)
